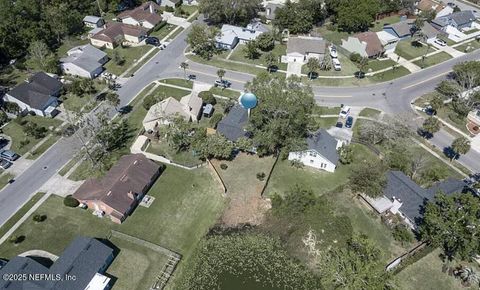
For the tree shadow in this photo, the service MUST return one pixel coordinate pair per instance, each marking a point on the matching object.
(424, 134)
(125, 109)
(450, 153)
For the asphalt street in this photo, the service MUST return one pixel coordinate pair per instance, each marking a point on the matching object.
(392, 97)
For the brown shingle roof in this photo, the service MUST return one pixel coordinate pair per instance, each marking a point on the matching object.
(374, 45)
(115, 29)
(132, 173)
(143, 13)
(426, 5)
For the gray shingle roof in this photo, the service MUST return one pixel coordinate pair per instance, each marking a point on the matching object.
(324, 144)
(429, 31)
(233, 125)
(83, 258)
(37, 91)
(86, 57)
(412, 196)
(460, 18)
(91, 19)
(304, 45)
(401, 28)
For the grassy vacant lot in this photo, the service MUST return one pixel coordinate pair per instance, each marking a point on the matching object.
(178, 82)
(129, 56)
(426, 274)
(225, 64)
(186, 204)
(11, 76)
(285, 176)
(406, 50)
(239, 55)
(20, 213)
(17, 133)
(433, 59)
(469, 46)
(370, 113)
(333, 36)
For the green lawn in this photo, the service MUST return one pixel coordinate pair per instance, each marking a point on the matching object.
(70, 43)
(173, 35)
(325, 122)
(69, 165)
(178, 82)
(190, 9)
(228, 93)
(348, 68)
(144, 61)
(378, 25)
(333, 36)
(377, 64)
(20, 213)
(471, 31)
(187, 203)
(44, 147)
(433, 59)
(185, 158)
(239, 55)
(128, 54)
(4, 178)
(16, 132)
(11, 76)
(406, 50)
(220, 63)
(390, 75)
(322, 110)
(469, 46)
(75, 103)
(370, 113)
(426, 274)
(164, 31)
(166, 92)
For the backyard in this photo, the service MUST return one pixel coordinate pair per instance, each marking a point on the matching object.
(186, 204)
(185, 158)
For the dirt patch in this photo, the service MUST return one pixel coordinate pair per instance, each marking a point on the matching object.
(244, 189)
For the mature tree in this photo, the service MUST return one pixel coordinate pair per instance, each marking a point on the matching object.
(362, 64)
(40, 57)
(430, 126)
(81, 86)
(313, 66)
(400, 159)
(230, 11)
(34, 130)
(184, 66)
(151, 100)
(435, 173)
(326, 63)
(221, 73)
(244, 144)
(436, 102)
(452, 222)
(346, 154)
(282, 114)
(3, 118)
(271, 59)
(354, 16)
(460, 146)
(356, 266)
(369, 178)
(117, 58)
(63, 20)
(213, 146)
(179, 134)
(390, 129)
(299, 17)
(110, 135)
(251, 50)
(112, 99)
(202, 40)
(266, 41)
(208, 97)
(417, 163)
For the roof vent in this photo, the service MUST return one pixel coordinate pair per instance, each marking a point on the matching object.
(109, 193)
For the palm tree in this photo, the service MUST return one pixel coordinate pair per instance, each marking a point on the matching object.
(184, 66)
(431, 125)
(221, 73)
(313, 65)
(460, 146)
(113, 99)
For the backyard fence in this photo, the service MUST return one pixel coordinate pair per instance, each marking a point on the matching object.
(217, 176)
(368, 145)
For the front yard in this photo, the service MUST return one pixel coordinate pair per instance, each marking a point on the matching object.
(469, 46)
(186, 204)
(406, 50)
(127, 56)
(433, 59)
(239, 55)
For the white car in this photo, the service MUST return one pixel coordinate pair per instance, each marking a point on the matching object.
(333, 51)
(336, 64)
(440, 42)
(344, 112)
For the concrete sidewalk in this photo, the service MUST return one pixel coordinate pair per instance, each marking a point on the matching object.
(404, 62)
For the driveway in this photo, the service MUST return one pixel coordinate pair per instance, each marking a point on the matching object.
(448, 49)
(294, 68)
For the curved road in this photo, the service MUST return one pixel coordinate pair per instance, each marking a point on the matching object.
(391, 97)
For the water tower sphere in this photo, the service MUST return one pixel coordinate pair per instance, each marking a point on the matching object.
(248, 101)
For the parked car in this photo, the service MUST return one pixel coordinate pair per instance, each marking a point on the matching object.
(339, 125)
(349, 122)
(152, 41)
(336, 64)
(333, 51)
(192, 77)
(3, 142)
(223, 83)
(9, 155)
(4, 164)
(440, 42)
(344, 112)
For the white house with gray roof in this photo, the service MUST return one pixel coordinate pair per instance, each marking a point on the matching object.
(231, 35)
(84, 61)
(301, 48)
(93, 21)
(321, 152)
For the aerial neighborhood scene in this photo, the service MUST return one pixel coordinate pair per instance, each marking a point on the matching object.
(240, 144)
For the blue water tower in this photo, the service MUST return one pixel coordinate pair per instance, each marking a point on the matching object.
(248, 101)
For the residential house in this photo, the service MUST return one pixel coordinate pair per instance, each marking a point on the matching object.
(270, 9)
(473, 122)
(388, 41)
(429, 5)
(429, 32)
(84, 61)
(115, 33)
(189, 108)
(85, 260)
(367, 44)
(93, 21)
(117, 194)
(39, 94)
(231, 35)
(232, 126)
(321, 152)
(170, 3)
(301, 48)
(401, 30)
(404, 197)
(145, 15)
(257, 25)
(462, 21)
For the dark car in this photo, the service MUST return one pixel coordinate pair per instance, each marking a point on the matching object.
(152, 41)
(9, 155)
(192, 77)
(339, 125)
(4, 164)
(349, 122)
(223, 83)
(3, 142)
